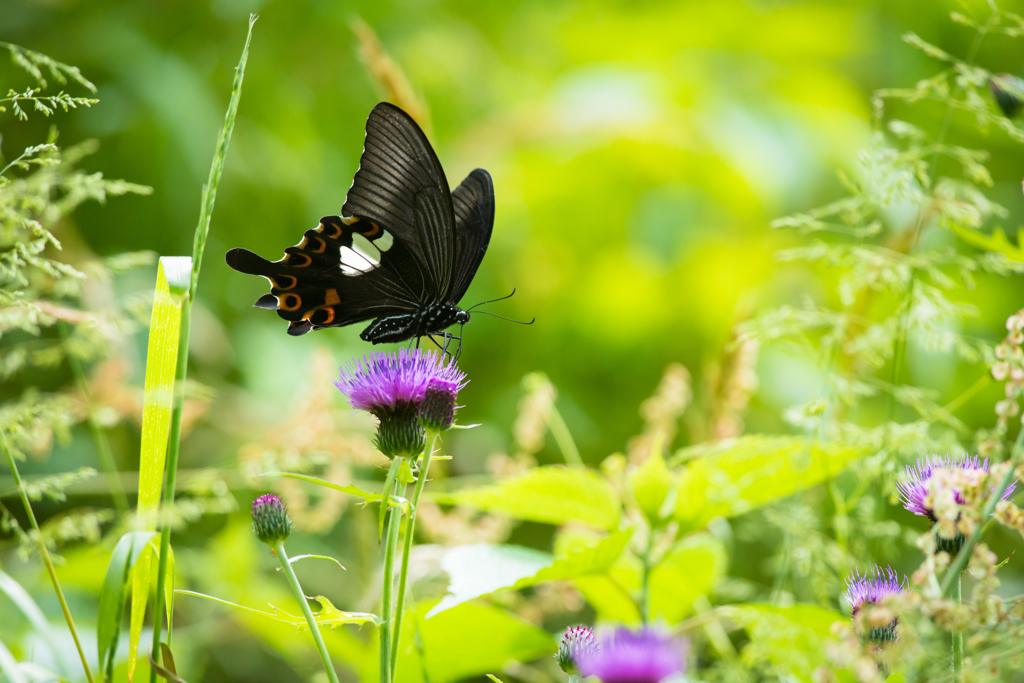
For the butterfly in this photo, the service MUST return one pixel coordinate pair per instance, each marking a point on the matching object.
(403, 252)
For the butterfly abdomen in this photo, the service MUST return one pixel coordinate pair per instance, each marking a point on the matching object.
(398, 328)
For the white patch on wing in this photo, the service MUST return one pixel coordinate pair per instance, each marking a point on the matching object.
(366, 249)
(385, 241)
(361, 257)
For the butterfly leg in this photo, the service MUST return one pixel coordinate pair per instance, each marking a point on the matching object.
(431, 338)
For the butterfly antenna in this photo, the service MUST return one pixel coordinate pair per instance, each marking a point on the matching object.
(520, 322)
(492, 301)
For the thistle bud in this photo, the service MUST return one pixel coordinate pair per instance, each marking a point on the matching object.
(399, 433)
(1008, 91)
(577, 642)
(270, 521)
(437, 411)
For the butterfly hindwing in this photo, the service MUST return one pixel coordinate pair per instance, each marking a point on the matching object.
(342, 272)
(400, 185)
(473, 203)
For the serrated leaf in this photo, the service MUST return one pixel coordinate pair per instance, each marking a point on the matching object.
(24, 602)
(483, 568)
(112, 597)
(650, 485)
(367, 496)
(553, 494)
(690, 569)
(997, 242)
(586, 560)
(789, 639)
(329, 615)
(738, 475)
(161, 364)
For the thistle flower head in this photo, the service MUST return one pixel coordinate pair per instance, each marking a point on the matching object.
(392, 386)
(916, 488)
(437, 411)
(645, 656)
(270, 521)
(1008, 91)
(578, 642)
(871, 589)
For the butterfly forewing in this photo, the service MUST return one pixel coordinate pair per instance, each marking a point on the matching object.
(401, 186)
(473, 202)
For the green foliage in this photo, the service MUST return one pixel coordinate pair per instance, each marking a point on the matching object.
(554, 495)
(734, 477)
(328, 615)
(113, 597)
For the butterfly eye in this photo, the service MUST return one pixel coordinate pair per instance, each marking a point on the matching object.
(289, 302)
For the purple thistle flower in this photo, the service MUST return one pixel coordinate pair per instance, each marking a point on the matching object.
(392, 387)
(870, 590)
(913, 490)
(644, 656)
(383, 381)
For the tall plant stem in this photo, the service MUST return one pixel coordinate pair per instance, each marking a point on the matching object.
(44, 552)
(563, 437)
(960, 561)
(99, 438)
(410, 529)
(390, 550)
(173, 443)
(293, 581)
(958, 635)
(645, 592)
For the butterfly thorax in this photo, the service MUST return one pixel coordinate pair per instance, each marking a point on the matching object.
(433, 319)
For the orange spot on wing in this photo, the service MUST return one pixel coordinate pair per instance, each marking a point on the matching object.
(332, 297)
(309, 259)
(294, 280)
(323, 245)
(371, 233)
(285, 302)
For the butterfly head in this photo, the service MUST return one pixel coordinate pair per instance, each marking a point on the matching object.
(461, 317)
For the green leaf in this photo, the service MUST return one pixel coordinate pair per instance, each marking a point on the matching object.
(482, 568)
(178, 271)
(651, 485)
(161, 363)
(609, 592)
(9, 665)
(329, 615)
(24, 602)
(112, 597)
(997, 242)
(468, 640)
(689, 570)
(367, 496)
(293, 560)
(789, 640)
(738, 475)
(553, 494)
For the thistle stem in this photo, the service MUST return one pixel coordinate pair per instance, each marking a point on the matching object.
(958, 635)
(390, 550)
(410, 528)
(286, 566)
(45, 553)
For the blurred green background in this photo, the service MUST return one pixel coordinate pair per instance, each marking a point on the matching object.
(639, 151)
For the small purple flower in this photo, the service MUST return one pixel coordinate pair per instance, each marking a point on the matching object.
(870, 590)
(270, 521)
(644, 656)
(577, 643)
(913, 487)
(392, 386)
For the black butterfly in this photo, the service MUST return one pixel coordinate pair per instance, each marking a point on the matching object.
(402, 254)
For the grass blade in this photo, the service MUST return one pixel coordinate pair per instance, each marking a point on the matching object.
(161, 363)
(209, 197)
(24, 602)
(112, 597)
(9, 665)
